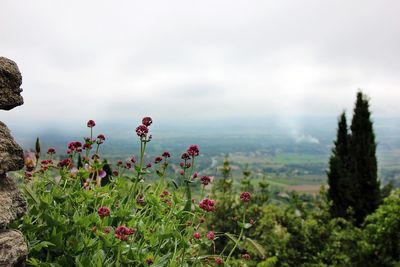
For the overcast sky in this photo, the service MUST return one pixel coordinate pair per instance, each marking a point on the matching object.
(120, 60)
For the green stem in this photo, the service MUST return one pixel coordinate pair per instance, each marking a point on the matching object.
(237, 241)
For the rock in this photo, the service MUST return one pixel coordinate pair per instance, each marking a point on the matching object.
(12, 204)
(11, 154)
(10, 82)
(13, 249)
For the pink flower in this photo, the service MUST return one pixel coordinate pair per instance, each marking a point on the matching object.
(103, 212)
(142, 130)
(51, 151)
(205, 180)
(210, 235)
(207, 205)
(197, 235)
(219, 261)
(107, 230)
(91, 124)
(147, 121)
(195, 175)
(245, 196)
(193, 150)
(158, 160)
(166, 154)
(182, 172)
(246, 256)
(148, 165)
(102, 174)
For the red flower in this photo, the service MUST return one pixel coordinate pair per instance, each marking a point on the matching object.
(205, 180)
(195, 175)
(91, 124)
(210, 235)
(197, 235)
(185, 156)
(193, 150)
(158, 160)
(245, 196)
(219, 261)
(51, 150)
(87, 146)
(246, 256)
(101, 138)
(149, 261)
(65, 163)
(147, 121)
(107, 230)
(207, 205)
(123, 232)
(142, 130)
(103, 212)
(166, 154)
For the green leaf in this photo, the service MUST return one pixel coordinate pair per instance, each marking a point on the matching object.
(257, 247)
(31, 194)
(44, 244)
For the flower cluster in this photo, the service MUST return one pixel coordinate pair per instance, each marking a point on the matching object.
(103, 212)
(207, 205)
(193, 150)
(75, 146)
(91, 124)
(51, 151)
(205, 180)
(65, 163)
(210, 235)
(123, 232)
(245, 196)
(100, 139)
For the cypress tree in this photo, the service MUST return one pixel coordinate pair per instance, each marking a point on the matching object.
(363, 163)
(338, 173)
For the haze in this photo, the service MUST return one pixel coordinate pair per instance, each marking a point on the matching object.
(181, 61)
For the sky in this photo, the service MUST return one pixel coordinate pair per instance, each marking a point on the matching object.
(203, 60)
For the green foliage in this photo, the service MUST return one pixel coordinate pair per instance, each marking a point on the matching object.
(363, 163)
(338, 174)
(381, 236)
(352, 174)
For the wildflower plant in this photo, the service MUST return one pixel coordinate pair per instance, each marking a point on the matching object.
(85, 211)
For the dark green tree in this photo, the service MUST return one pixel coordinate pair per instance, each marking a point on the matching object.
(338, 174)
(363, 163)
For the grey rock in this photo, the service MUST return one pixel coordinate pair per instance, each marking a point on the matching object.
(12, 204)
(10, 82)
(11, 154)
(13, 249)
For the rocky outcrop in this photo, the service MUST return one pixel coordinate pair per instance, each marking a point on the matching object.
(13, 206)
(13, 249)
(10, 82)
(11, 154)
